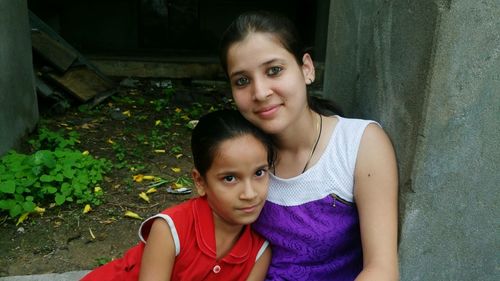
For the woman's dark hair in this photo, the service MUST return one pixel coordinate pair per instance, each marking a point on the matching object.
(285, 32)
(219, 126)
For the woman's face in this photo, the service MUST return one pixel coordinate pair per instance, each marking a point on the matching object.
(268, 85)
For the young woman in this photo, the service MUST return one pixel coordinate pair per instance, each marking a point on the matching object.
(208, 237)
(331, 212)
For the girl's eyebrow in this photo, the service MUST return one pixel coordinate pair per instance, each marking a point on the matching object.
(266, 63)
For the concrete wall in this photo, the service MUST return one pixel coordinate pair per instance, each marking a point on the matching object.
(18, 105)
(429, 71)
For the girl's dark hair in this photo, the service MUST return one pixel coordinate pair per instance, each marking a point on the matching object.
(219, 126)
(282, 29)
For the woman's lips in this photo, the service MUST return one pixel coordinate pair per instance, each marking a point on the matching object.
(267, 112)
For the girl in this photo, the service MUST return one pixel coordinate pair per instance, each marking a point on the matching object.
(209, 237)
(331, 213)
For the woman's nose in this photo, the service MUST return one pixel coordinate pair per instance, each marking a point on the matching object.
(261, 90)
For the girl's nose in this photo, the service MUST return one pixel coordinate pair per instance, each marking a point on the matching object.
(249, 191)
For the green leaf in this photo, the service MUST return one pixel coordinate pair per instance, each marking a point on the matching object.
(15, 211)
(7, 204)
(8, 187)
(51, 189)
(28, 206)
(46, 178)
(60, 199)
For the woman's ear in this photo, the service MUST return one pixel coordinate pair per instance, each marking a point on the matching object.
(308, 69)
(199, 182)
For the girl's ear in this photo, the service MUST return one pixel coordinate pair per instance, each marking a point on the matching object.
(199, 182)
(308, 69)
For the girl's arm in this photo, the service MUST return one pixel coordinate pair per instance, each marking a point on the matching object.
(376, 193)
(259, 270)
(159, 254)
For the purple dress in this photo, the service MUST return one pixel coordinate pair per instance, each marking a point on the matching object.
(311, 220)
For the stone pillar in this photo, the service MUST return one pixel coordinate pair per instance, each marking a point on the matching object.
(18, 104)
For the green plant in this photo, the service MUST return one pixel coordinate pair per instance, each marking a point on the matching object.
(102, 260)
(47, 176)
(47, 139)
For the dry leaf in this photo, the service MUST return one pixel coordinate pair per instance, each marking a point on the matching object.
(144, 197)
(22, 218)
(87, 209)
(151, 190)
(176, 169)
(138, 177)
(133, 215)
(91, 234)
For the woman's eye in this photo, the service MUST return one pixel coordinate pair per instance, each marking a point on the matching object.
(242, 81)
(229, 178)
(275, 70)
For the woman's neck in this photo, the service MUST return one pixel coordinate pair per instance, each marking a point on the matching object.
(296, 143)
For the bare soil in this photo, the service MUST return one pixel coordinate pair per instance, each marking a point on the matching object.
(66, 239)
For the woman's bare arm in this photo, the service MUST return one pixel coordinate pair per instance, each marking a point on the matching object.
(376, 195)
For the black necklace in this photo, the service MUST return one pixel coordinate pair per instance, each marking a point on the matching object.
(315, 144)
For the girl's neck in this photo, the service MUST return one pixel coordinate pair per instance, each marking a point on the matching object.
(226, 236)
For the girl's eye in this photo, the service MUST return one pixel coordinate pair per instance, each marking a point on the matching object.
(260, 172)
(275, 70)
(229, 178)
(242, 81)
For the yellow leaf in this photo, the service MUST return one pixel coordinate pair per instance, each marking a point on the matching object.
(110, 141)
(151, 190)
(133, 215)
(138, 177)
(177, 110)
(178, 155)
(185, 117)
(148, 177)
(159, 150)
(126, 113)
(177, 185)
(86, 152)
(176, 170)
(22, 218)
(158, 123)
(144, 196)
(97, 189)
(87, 209)
(39, 210)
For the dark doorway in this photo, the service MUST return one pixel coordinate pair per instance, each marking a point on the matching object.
(168, 27)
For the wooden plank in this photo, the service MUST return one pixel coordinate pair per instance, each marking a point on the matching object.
(53, 51)
(81, 82)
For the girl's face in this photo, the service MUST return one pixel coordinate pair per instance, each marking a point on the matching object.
(237, 181)
(268, 85)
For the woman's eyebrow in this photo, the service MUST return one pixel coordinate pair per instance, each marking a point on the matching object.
(266, 63)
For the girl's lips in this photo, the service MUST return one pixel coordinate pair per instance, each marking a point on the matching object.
(267, 112)
(249, 209)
